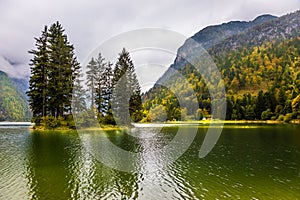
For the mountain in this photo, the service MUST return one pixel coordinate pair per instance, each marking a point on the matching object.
(282, 28)
(13, 105)
(259, 63)
(213, 35)
(22, 85)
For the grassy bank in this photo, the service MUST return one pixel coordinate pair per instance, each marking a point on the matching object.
(120, 128)
(67, 128)
(233, 122)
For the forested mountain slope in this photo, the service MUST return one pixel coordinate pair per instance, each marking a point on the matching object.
(260, 67)
(13, 106)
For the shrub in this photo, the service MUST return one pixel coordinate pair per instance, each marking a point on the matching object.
(109, 119)
(70, 122)
(274, 118)
(50, 122)
(199, 114)
(281, 118)
(288, 117)
(137, 116)
(158, 114)
(37, 120)
(265, 115)
(294, 115)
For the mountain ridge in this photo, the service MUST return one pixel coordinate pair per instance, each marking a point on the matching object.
(283, 27)
(226, 30)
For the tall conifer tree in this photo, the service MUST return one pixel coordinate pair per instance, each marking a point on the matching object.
(63, 70)
(79, 95)
(39, 75)
(54, 69)
(104, 87)
(91, 80)
(127, 88)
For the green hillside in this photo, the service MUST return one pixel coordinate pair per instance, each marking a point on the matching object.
(260, 68)
(13, 106)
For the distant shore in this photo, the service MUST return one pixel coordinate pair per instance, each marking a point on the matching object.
(234, 122)
(26, 124)
(113, 127)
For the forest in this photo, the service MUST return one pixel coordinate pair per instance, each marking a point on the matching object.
(262, 83)
(113, 94)
(13, 106)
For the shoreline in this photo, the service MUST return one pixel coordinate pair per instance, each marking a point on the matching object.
(228, 122)
(174, 123)
(113, 127)
(232, 122)
(65, 128)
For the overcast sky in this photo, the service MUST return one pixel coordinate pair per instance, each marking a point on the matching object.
(89, 23)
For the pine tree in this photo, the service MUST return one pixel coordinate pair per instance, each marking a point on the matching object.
(39, 73)
(107, 88)
(127, 98)
(79, 95)
(54, 69)
(281, 97)
(135, 102)
(259, 105)
(91, 77)
(104, 88)
(63, 70)
(100, 84)
(121, 91)
(107, 94)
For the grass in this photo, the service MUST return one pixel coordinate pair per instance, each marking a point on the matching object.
(225, 122)
(121, 128)
(66, 128)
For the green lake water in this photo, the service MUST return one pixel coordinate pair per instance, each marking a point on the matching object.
(248, 162)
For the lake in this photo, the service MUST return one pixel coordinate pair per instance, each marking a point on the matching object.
(247, 162)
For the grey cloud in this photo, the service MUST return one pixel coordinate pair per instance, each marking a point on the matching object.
(15, 70)
(89, 23)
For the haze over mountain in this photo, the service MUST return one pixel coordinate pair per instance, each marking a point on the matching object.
(14, 68)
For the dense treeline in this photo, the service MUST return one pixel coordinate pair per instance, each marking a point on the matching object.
(114, 93)
(262, 82)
